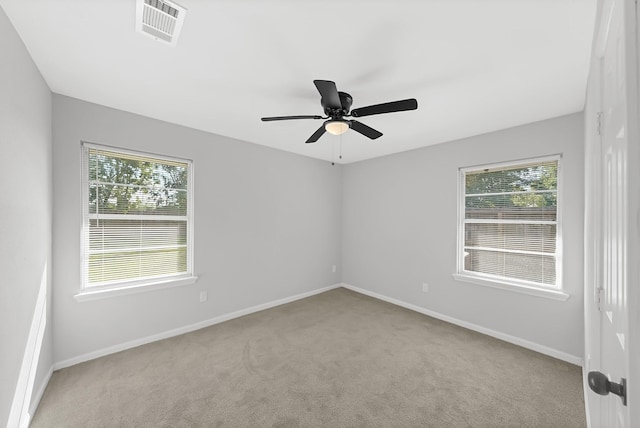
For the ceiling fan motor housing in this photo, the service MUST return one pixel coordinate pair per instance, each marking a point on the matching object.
(345, 101)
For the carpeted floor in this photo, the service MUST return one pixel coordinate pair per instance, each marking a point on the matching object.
(338, 359)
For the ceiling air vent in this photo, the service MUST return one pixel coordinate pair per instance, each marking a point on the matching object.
(160, 19)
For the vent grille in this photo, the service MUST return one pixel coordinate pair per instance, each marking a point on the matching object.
(159, 19)
(162, 7)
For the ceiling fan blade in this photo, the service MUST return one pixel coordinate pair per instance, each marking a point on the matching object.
(403, 105)
(270, 119)
(365, 130)
(316, 135)
(329, 93)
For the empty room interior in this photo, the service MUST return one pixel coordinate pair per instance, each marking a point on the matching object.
(339, 214)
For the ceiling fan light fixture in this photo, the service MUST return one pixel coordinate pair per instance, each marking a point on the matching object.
(336, 127)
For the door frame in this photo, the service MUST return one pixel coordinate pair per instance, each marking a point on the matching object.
(632, 22)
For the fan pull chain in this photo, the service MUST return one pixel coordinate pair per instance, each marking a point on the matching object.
(333, 152)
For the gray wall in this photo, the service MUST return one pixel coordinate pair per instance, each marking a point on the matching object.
(25, 229)
(267, 226)
(400, 225)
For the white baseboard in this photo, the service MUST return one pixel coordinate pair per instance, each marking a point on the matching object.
(35, 402)
(186, 329)
(498, 335)
(226, 317)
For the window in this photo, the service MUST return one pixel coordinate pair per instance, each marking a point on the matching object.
(137, 219)
(509, 225)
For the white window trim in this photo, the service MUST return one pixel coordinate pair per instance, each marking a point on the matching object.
(500, 283)
(511, 284)
(128, 288)
(138, 285)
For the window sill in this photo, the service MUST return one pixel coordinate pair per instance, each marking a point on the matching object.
(516, 288)
(104, 293)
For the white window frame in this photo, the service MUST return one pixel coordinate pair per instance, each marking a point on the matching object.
(93, 292)
(511, 284)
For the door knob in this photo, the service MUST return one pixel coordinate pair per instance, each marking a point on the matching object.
(600, 384)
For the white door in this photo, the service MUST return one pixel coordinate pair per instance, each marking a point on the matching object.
(614, 169)
(613, 304)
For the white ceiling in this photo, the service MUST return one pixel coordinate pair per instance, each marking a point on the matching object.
(474, 66)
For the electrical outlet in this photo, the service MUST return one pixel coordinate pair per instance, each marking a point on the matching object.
(425, 287)
(203, 296)
(333, 268)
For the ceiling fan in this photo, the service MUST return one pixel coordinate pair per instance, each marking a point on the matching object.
(336, 107)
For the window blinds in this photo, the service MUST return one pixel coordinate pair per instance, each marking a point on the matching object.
(136, 218)
(510, 222)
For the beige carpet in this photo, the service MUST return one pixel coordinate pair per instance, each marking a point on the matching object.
(338, 359)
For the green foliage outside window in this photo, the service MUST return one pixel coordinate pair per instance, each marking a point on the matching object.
(121, 184)
(532, 186)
